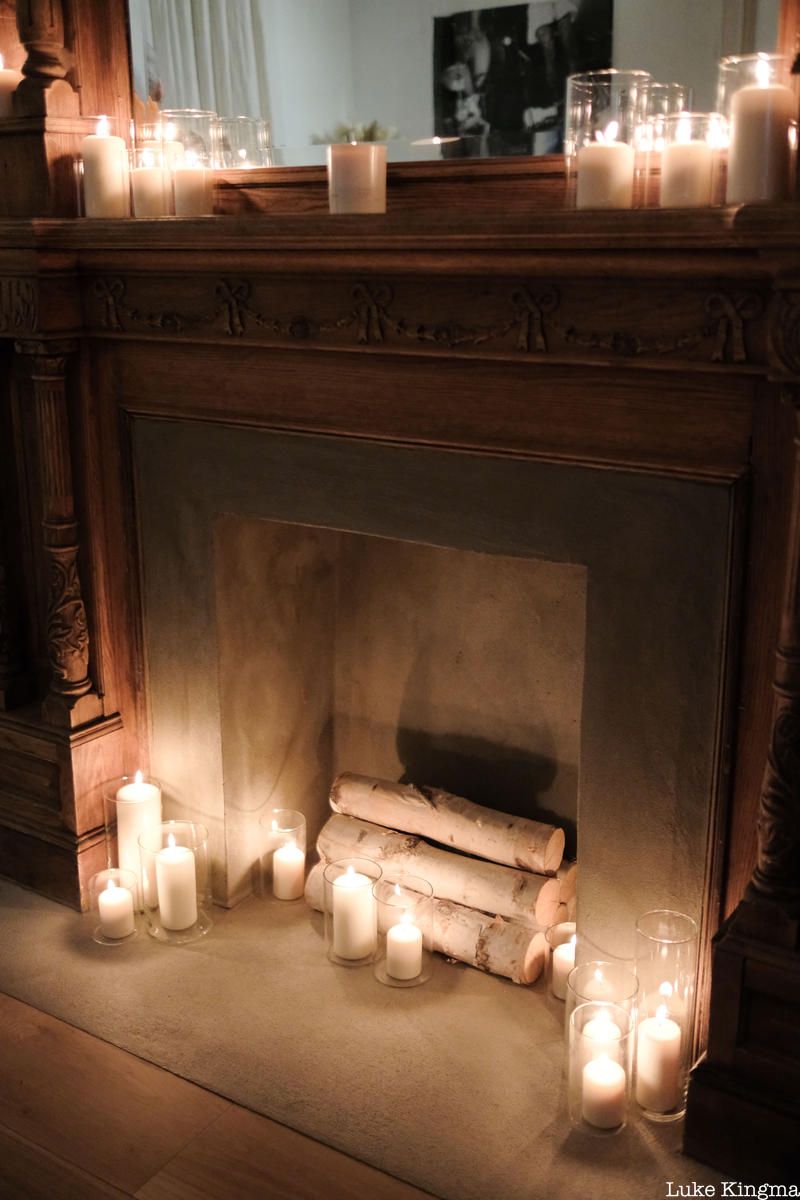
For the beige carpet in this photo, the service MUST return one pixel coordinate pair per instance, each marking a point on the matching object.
(455, 1086)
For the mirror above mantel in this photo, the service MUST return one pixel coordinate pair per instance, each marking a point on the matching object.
(489, 82)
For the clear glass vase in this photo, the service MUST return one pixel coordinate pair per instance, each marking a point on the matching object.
(351, 911)
(404, 956)
(283, 862)
(605, 114)
(600, 1057)
(176, 878)
(114, 903)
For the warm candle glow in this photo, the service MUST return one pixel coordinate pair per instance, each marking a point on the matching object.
(171, 841)
(661, 1012)
(191, 159)
(148, 158)
(762, 71)
(609, 134)
(138, 777)
(2, 62)
(170, 131)
(110, 885)
(103, 127)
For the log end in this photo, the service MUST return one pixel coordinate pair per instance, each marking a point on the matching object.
(554, 851)
(547, 903)
(533, 963)
(568, 878)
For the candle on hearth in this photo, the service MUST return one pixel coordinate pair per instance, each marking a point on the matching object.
(355, 926)
(106, 186)
(604, 1093)
(138, 810)
(9, 82)
(658, 1062)
(115, 906)
(150, 182)
(357, 177)
(686, 170)
(194, 187)
(762, 120)
(562, 964)
(288, 872)
(605, 171)
(404, 949)
(602, 1032)
(176, 881)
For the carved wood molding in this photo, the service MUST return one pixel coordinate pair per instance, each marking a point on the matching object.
(42, 33)
(67, 629)
(529, 318)
(784, 334)
(19, 305)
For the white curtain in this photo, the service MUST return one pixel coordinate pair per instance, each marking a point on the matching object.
(204, 53)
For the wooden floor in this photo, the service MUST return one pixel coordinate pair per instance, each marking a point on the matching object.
(82, 1120)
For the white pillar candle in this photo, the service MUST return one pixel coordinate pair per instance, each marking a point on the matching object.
(176, 880)
(138, 810)
(686, 174)
(605, 172)
(106, 186)
(194, 188)
(658, 1063)
(288, 872)
(355, 924)
(404, 949)
(9, 82)
(560, 967)
(115, 906)
(603, 1095)
(601, 1032)
(150, 184)
(357, 178)
(760, 154)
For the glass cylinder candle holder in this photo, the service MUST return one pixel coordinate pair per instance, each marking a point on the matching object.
(561, 942)
(663, 100)
(151, 184)
(131, 807)
(242, 142)
(405, 931)
(177, 881)
(283, 861)
(666, 966)
(606, 982)
(114, 902)
(758, 95)
(357, 177)
(600, 1059)
(693, 145)
(103, 172)
(605, 113)
(351, 912)
(195, 130)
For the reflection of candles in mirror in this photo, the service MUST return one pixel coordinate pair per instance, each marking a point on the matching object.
(563, 962)
(106, 187)
(138, 810)
(355, 925)
(288, 871)
(9, 82)
(762, 118)
(658, 1059)
(605, 171)
(176, 882)
(404, 948)
(194, 187)
(150, 186)
(604, 1093)
(686, 170)
(115, 906)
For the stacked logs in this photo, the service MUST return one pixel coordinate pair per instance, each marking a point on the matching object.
(490, 911)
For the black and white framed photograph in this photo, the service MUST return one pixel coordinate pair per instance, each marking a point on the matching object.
(499, 74)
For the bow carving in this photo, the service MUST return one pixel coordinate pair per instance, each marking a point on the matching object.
(370, 308)
(730, 316)
(530, 312)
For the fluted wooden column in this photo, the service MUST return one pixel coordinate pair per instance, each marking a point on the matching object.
(70, 700)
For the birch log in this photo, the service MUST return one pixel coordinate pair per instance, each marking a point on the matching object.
(519, 895)
(567, 875)
(451, 821)
(491, 944)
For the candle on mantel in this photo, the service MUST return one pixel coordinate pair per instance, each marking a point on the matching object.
(115, 906)
(562, 964)
(355, 926)
(288, 872)
(106, 186)
(686, 170)
(150, 184)
(762, 117)
(357, 177)
(605, 171)
(658, 1060)
(9, 82)
(194, 187)
(404, 948)
(138, 810)
(176, 880)
(167, 145)
(603, 1098)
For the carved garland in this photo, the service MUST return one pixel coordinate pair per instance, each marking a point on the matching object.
(531, 317)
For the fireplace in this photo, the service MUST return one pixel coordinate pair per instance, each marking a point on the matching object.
(489, 627)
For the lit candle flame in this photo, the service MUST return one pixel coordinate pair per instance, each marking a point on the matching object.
(661, 1012)
(573, 939)
(683, 133)
(350, 870)
(407, 918)
(609, 134)
(103, 127)
(762, 71)
(138, 777)
(148, 158)
(171, 841)
(110, 885)
(242, 153)
(2, 62)
(665, 990)
(274, 826)
(170, 131)
(598, 974)
(397, 889)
